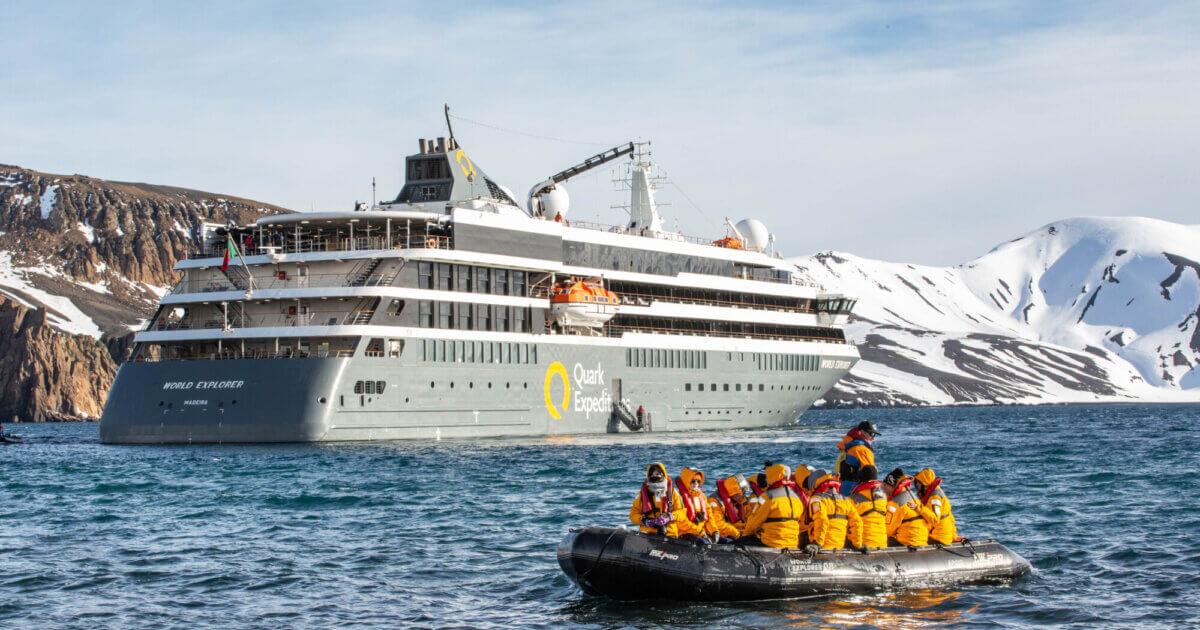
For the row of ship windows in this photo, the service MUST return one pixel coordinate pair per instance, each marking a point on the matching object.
(369, 387)
(649, 357)
(449, 351)
(469, 316)
(737, 387)
(788, 362)
(472, 279)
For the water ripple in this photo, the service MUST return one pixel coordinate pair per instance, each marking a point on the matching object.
(463, 533)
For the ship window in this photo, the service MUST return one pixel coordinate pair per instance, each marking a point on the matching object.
(687, 387)
(425, 275)
(368, 387)
(502, 318)
(507, 350)
(459, 351)
(518, 283)
(421, 350)
(425, 313)
(500, 287)
(482, 277)
(375, 348)
(395, 347)
(714, 387)
(485, 317)
(701, 386)
(533, 354)
(445, 315)
(524, 353)
(358, 387)
(760, 387)
(739, 387)
(628, 357)
(726, 386)
(379, 387)
(464, 316)
(470, 352)
(463, 276)
(445, 281)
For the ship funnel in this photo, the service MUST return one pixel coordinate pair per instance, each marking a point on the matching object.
(441, 145)
(424, 146)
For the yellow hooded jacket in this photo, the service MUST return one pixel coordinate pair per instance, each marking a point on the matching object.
(678, 512)
(834, 520)
(907, 520)
(703, 524)
(855, 448)
(871, 505)
(781, 514)
(944, 529)
(719, 516)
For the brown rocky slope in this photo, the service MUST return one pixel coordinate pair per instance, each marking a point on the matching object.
(83, 262)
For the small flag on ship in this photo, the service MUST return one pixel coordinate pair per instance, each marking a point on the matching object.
(229, 252)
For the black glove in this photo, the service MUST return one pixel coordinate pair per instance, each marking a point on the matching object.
(812, 549)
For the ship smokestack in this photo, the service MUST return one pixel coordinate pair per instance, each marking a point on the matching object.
(424, 146)
(441, 145)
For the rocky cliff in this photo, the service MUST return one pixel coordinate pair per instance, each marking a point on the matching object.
(83, 262)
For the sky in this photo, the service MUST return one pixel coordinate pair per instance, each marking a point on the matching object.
(924, 132)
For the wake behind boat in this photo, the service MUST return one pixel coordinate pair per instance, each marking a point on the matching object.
(629, 565)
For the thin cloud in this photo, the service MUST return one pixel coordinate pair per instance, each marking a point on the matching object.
(924, 133)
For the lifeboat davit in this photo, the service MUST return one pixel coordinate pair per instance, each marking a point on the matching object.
(630, 565)
(582, 303)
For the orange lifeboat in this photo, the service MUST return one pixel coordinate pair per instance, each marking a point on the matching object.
(582, 303)
(729, 242)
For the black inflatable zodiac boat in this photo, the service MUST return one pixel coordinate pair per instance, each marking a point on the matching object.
(630, 565)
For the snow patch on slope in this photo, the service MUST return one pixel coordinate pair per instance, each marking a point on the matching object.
(49, 198)
(61, 312)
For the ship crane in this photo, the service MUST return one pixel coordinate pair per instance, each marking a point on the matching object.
(547, 195)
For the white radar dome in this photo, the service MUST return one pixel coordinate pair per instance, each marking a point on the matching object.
(555, 202)
(755, 234)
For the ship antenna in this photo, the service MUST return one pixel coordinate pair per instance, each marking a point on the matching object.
(448, 127)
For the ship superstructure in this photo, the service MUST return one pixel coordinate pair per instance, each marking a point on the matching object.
(452, 311)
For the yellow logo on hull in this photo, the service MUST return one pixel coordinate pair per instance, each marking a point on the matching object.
(558, 369)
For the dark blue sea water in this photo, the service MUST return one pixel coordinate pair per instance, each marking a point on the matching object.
(1102, 500)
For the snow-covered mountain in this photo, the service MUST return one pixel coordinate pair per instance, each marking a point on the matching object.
(1081, 310)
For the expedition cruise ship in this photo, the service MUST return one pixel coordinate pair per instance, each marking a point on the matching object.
(452, 311)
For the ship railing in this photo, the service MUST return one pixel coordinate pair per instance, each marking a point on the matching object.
(248, 354)
(289, 281)
(289, 244)
(645, 299)
(311, 318)
(618, 330)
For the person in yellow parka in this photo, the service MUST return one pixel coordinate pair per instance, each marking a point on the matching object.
(908, 521)
(728, 507)
(930, 488)
(834, 519)
(777, 522)
(696, 526)
(871, 504)
(856, 450)
(658, 506)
